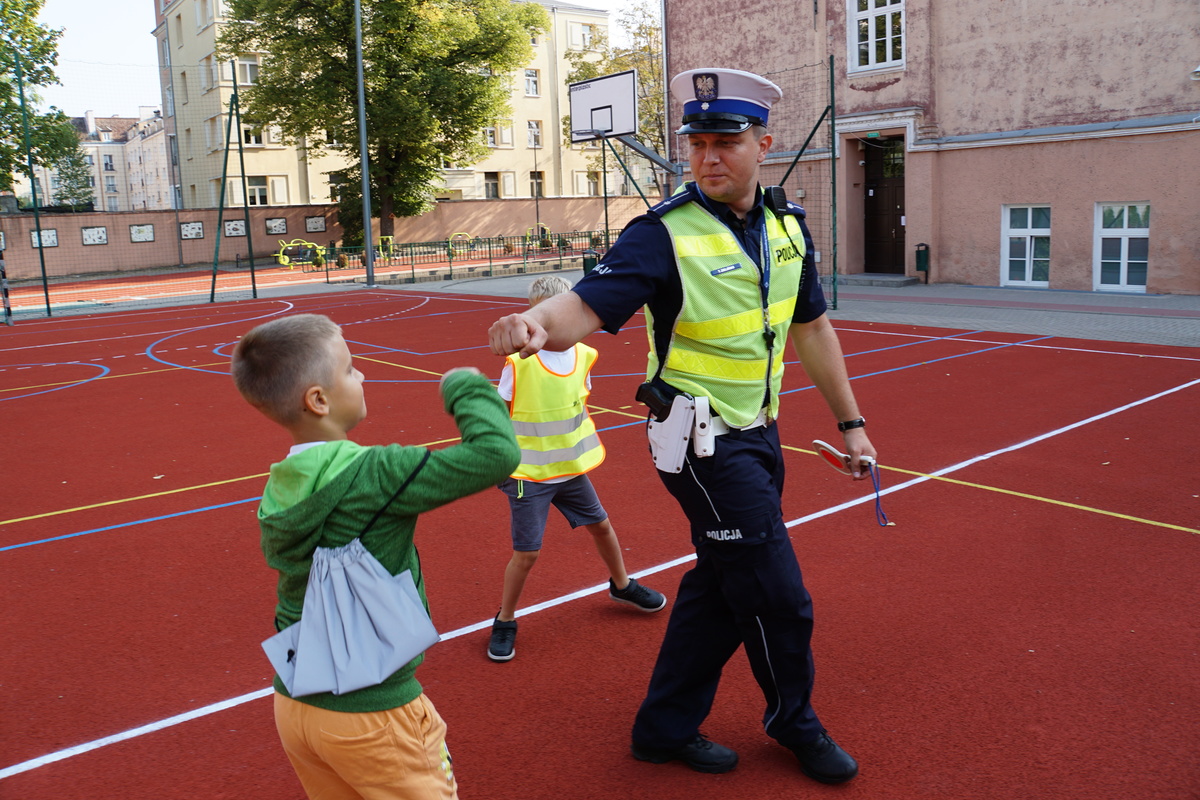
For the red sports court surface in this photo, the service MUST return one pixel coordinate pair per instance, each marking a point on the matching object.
(1028, 628)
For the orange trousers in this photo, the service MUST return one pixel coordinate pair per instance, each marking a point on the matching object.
(379, 755)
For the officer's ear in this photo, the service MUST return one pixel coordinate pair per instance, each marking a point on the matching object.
(764, 144)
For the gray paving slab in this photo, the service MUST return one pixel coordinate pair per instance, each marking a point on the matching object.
(1143, 318)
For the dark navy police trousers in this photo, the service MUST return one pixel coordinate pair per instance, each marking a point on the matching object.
(745, 589)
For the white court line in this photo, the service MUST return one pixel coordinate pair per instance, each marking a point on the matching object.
(42, 761)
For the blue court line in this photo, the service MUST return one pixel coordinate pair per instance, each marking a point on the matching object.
(103, 371)
(128, 524)
(931, 361)
(599, 430)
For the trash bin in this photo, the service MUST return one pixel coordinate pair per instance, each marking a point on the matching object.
(590, 259)
(923, 260)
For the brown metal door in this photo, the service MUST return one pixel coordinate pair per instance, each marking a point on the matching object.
(884, 206)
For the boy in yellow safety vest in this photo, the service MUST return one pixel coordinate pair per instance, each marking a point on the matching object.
(547, 400)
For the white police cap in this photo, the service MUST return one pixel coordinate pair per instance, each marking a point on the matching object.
(723, 100)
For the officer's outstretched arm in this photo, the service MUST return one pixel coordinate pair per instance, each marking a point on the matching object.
(554, 324)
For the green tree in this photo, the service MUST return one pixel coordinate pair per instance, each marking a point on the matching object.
(642, 50)
(74, 180)
(50, 134)
(435, 72)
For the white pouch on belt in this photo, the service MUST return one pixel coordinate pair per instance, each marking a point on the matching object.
(669, 439)
(703, 433)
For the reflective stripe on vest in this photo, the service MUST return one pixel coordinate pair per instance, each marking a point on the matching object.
(717, 346)
(549, 412)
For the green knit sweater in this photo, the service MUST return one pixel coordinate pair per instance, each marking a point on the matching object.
(325, 496)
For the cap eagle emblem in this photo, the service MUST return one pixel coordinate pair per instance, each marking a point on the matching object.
(706, 86)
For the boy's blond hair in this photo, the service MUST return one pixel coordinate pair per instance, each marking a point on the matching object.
(277, 361)
(547, 286)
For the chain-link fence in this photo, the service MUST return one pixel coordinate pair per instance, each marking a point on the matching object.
(190, 203)
(801, 156)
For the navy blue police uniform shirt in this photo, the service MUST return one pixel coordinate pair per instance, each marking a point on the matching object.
(640, 269)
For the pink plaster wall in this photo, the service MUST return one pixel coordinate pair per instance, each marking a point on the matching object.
(961, 216)
(476, 217)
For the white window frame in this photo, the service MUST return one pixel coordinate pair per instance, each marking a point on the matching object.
(256, 193)
(533, 81)
(253, 136)
(1029, 234)
(1124, 235)
(875, 10)
(247, 70)
(582, 35)
(533, 134)
(491, 179)
(498, 134)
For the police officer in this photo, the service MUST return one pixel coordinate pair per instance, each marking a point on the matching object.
(726, 276)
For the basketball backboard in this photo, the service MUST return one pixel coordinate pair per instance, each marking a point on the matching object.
(607, 104)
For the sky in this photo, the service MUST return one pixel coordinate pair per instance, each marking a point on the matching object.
(106, 57)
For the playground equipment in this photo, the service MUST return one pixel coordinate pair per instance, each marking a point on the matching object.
(298, 251)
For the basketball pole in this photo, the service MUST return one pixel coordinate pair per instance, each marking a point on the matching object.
(368, 250)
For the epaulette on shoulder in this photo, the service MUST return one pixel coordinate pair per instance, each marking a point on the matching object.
(796, 210)
(682, 195)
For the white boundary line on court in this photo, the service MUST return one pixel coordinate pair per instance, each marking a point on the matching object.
(41, 761)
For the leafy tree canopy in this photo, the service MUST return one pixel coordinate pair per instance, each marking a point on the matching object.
(436, 72)
(50, 134)
(74, 180)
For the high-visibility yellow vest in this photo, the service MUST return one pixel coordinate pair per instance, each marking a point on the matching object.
(717, 346)
(550, 418)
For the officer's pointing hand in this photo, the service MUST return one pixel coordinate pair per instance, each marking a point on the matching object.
(516, 333)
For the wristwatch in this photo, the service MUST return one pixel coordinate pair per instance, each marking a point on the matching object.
(852, 424)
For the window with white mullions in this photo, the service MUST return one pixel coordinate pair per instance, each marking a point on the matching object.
(1122, 247)
(1026, 234)
(876, 34)
(256, 188)
(247, 70)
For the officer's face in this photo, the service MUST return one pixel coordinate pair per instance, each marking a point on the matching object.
(725, 165)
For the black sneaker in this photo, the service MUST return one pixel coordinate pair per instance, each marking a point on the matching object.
(822, 760)
(501, 647)
(700, 754)
(643, 598)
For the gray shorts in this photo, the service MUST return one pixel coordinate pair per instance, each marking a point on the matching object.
(529, 502)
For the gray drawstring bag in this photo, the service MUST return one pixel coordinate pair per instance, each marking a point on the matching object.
(359, 623)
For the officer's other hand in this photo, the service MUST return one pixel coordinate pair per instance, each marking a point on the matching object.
(859, 446)
(516, 333)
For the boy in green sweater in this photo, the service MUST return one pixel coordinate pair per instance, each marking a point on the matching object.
(386, 740)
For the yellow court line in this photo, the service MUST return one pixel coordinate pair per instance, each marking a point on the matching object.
(108, 377)
(393, 364)
(168, 492)
(131, 499)
(1023, 495)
